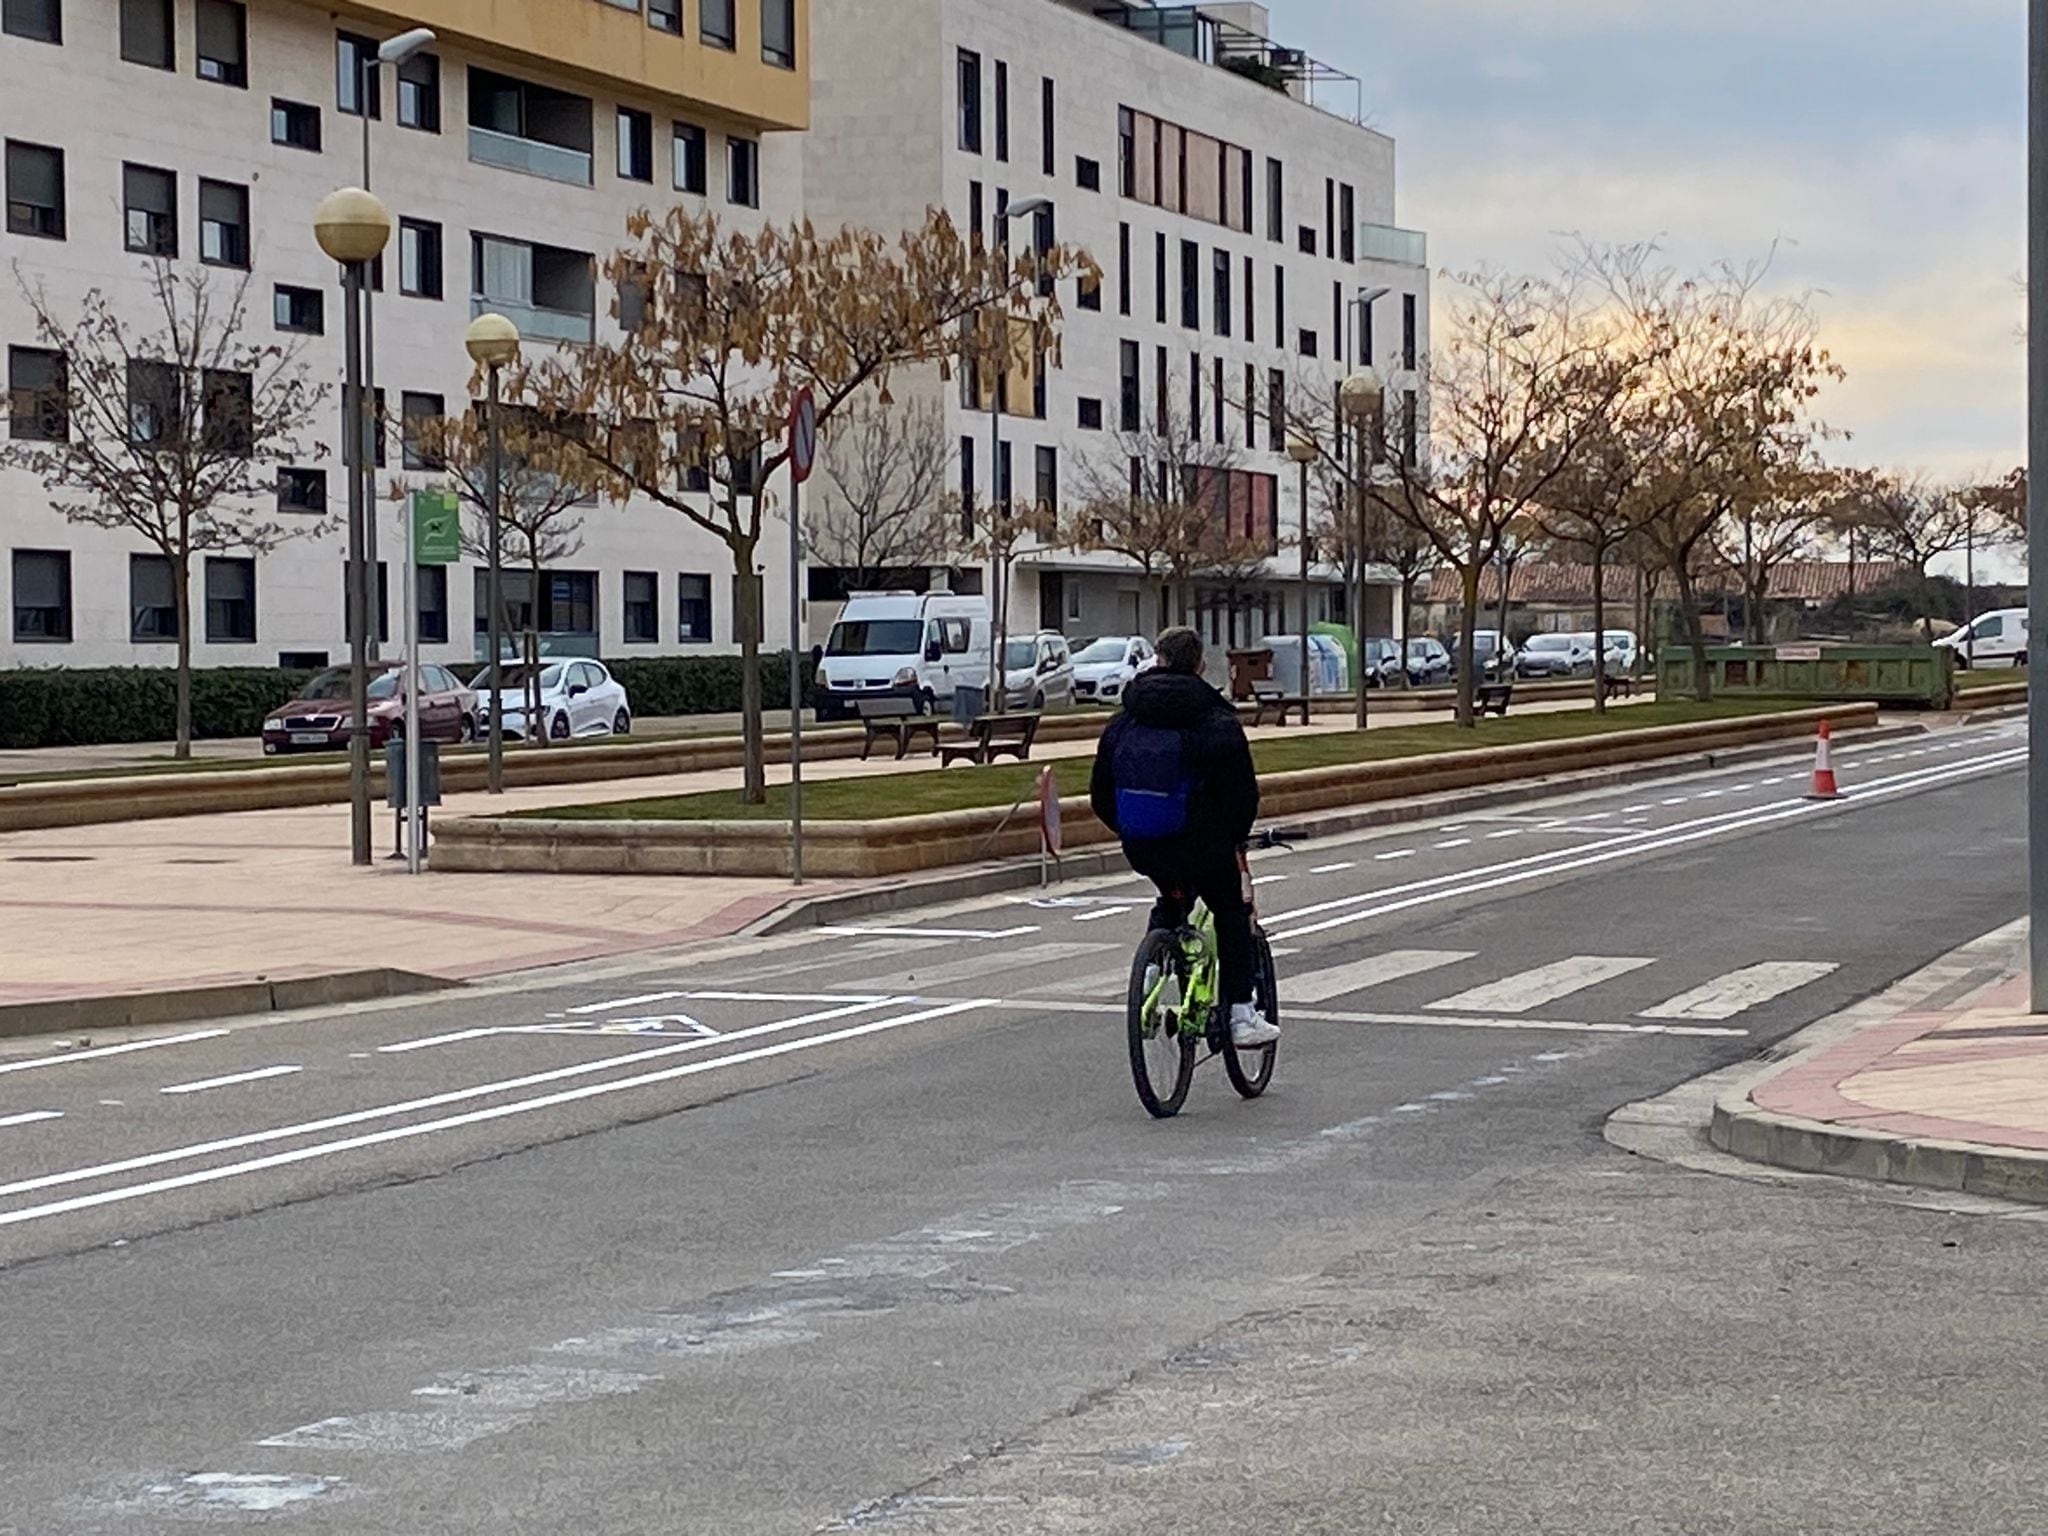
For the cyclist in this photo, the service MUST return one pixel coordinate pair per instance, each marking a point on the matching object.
(1174, 780)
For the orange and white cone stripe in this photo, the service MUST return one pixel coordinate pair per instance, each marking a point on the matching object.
(1824, 786)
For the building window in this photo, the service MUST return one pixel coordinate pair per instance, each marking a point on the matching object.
(1088, 413)
(223, 224)
(42, 595)
(380, 596)
(742, 172)
(415, 411)
(1366, 341)
(1306, 239)
(1162, 406)
(1087, 174)
(152, 599)
(149, 198)
(693, 607)
(686, 154)
(1251, 301)
(1409, 428)
(302, 490)
(1307, 344)
(666, 16)
(295, 124)
(778, 33)
(1130, 403)
(1048, 139)
(715, 23)
(1347, 223)
(1190, 285)
(38, 395)
(1251, 406)
(967, 446)
(227, 404)
(1195, 397)
(1218, 401)
(1221, 297)
(221, 35)
(1046, 473)
(299, 309)
(1126, 152)
(969, 105)
(1337, 325)
(1279, 305)
(35, 190)
(1002, 112)
(1330, 215)
(530, 128)
(40, 21)
(431, 589)
(1159, 277)
(155, 405)
(355, 75)
(230, 601)
(1276, 409)
(548, 291)
(147, 35)
(419, 93)
(1123, 269)
(419, 258)
(1088, 292)
(1408, 327)
(641, 609)
(636, 145)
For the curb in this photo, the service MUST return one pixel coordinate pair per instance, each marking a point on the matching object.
(1743, 1129)
(1019, 874)
(182, 1005)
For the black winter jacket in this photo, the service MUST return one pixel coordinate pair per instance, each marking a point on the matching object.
(1224, 799)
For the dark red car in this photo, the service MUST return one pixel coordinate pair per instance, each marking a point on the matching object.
(318, 719)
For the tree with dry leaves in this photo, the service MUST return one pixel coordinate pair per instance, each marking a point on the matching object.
(724, 328)
(174, 431)
(1913, 519)
(881, 503)
(1764, 535)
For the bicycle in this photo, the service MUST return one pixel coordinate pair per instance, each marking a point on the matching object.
(1175, 1008)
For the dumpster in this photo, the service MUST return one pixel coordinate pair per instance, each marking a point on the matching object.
(1883, 674)
(1248, 667)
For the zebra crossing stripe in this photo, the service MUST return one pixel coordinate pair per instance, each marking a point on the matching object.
(1335, 981)
(1546, 983)
(1739, 991)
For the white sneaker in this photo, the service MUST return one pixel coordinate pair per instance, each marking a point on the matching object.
(1250, 1029)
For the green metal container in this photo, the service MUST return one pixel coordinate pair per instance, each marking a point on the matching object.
(1885, 674)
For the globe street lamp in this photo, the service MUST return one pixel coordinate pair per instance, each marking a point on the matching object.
(1304, 450)
(1363, 398)
(493, 343)
(352, 227)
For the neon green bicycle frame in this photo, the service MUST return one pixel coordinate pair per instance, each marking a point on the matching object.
(1198, 1001)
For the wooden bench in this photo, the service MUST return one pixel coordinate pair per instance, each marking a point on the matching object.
(1620, 685)
(1269, 695)
(990, 737)
(1489, 699)
(898, 719)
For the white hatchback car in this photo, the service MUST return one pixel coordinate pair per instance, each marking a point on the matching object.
(1103, 668)
(577, 698)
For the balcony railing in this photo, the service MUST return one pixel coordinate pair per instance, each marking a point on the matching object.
(537, 322)
(487, 146)
(1384, 242)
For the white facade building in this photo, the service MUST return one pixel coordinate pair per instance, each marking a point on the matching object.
(215, 127)
(1236, 206)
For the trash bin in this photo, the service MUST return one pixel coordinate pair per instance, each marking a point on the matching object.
(1248, 667)
(968, 705)
(394, 773)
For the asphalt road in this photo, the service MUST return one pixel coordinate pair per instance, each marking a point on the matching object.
(865, 1229)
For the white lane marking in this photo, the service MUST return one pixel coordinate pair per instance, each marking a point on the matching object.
(1337, 868)
(1099, 914)
(868, 998)
(1398, 853)
(477, 1116)
(1452, 826)
(1569, 1026)
(1675, 800)
(434, 1101)
(31, 1117)
(1267, 879)
(1505, 832)
(1452, 842)
(111, 1050)
(1767, 783)
(1635, 810)
(428, 1042)
(979, 963)
(1596, 816)
(932, 933)
(1711, 794)
(231, 1079)
(1371, 904)
(1739, 991)
(1530, 989)
(626, 1002)
(1742, 789)
(1335, 981)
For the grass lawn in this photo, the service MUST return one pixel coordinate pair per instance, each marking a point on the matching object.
(1989, 677)
(964, 788)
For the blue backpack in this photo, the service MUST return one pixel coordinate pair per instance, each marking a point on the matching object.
(1151, 782)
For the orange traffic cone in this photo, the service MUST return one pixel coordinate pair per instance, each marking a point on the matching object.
(1824, 786)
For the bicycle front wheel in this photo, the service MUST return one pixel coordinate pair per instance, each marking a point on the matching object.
(1162, 1053)
(1250, 1071)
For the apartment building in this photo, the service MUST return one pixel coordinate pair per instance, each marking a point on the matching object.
(511, 151)
(1237, 206)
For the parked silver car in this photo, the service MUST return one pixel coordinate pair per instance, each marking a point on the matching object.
(1038, 672)
(577, 698)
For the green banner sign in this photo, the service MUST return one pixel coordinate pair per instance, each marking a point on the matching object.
(436, 528)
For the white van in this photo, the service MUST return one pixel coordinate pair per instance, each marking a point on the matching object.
(907, 646)
(1996, 639)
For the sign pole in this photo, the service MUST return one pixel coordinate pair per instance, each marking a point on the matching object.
(803, 452)
(412, 688)
(2037, 498)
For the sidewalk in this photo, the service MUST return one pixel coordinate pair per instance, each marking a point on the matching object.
(1947, 1088)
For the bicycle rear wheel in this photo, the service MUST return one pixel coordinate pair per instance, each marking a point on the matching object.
(1250, 1071)
(1162, 1055)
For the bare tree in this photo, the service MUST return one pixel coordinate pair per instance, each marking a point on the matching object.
(1766, 534)
(175, 430)
(1914, 520)
(998, 531)
(884, 504)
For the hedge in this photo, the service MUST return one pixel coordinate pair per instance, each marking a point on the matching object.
(76, 707)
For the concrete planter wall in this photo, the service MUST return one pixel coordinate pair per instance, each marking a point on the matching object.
(903, 845)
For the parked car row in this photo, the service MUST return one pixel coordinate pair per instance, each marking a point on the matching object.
(576, 698)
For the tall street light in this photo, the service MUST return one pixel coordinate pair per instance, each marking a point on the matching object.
(493, 343)
(2037, 497)
(1363, 397)
(352, 227)
(999, 596)
(1304, 450)
(395, 51)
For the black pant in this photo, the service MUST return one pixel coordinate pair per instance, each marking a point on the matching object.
(1212, 875)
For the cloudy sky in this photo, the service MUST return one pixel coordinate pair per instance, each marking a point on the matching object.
(1880, 142)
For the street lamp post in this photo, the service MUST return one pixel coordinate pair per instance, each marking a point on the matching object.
(999, 596)
(2037, 497)
(1363, 397)
(493, 343)
(394, 51)
(1304, 450)
(351, 226)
